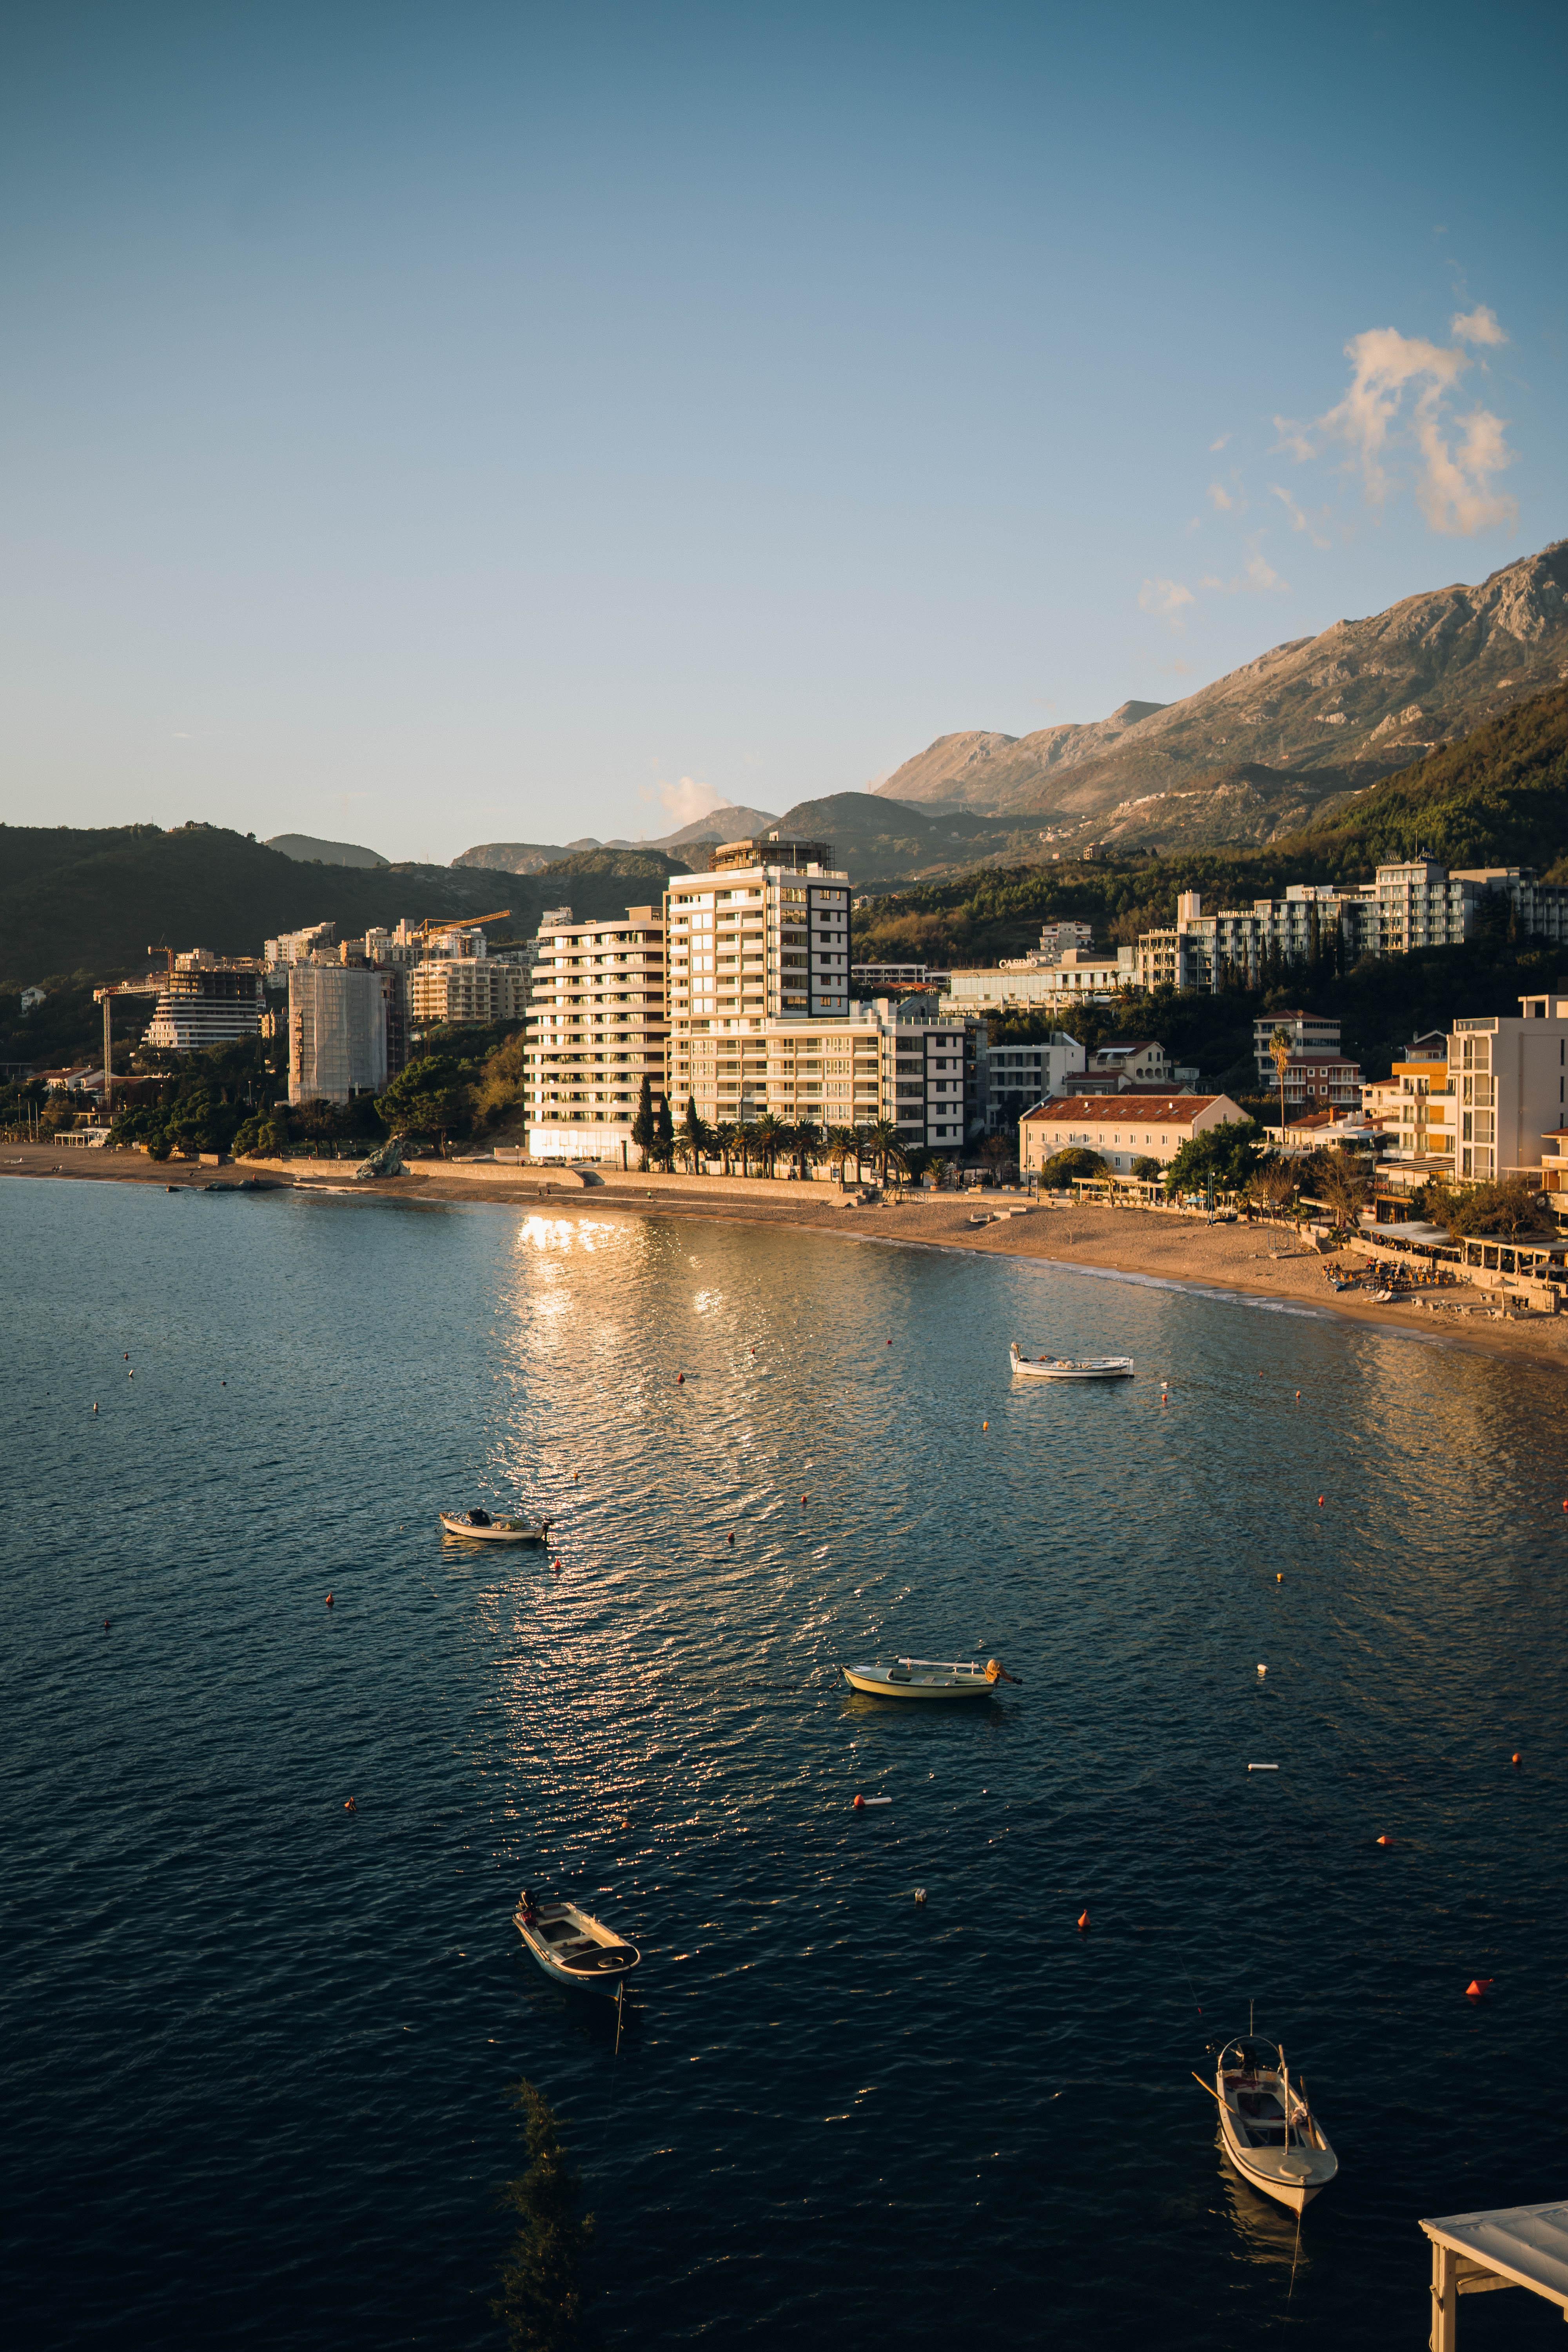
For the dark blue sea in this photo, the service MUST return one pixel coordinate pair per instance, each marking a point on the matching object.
(255, 2049)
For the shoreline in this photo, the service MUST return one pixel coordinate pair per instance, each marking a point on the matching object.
(1262, 1265)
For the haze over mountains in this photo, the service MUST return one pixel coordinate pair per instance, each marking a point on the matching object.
(1260, 751)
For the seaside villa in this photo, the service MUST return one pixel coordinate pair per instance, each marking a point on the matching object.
(1121, 1128)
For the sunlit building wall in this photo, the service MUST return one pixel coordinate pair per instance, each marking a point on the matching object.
(596, 1030)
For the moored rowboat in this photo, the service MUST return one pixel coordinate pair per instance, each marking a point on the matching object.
(926, 1678)
(483, 1528)
(1066, 1368)
(573, 1947)
(1271, 2134)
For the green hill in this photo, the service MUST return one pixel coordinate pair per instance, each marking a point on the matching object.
(92, 901)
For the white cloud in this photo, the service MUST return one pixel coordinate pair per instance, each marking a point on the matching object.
(1220, 498)
(1293, 440)
(1453, 485)
(1477, 326)
(1166, 599)
(1298, 520)
(685, 802)
(1219, 444)
(1456, 492)
(1259, 577)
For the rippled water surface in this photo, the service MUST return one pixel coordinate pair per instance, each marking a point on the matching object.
(256, 2048)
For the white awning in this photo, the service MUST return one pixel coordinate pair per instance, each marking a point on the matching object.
(1525, 2243)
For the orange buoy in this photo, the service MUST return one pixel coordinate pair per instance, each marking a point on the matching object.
(1298, 1396)
(806, 1498)
(555, 1564)
(731, 1538)
(329, 1600)
(1385, 1840)
(985, 1424)
(1083, 1922)
(1320, 1502)
(1479, 1985)
(1279, 1578)
(95, 1408)
(858, 1806)
(349, 1806)
(680, 1380)
(1516, 1759)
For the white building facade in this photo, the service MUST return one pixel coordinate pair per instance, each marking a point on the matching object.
(596, 1028)
(337, 1032)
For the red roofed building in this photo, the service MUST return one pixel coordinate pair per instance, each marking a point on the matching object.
(1121, 1128)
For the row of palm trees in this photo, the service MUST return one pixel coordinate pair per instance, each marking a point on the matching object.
(762, 1143)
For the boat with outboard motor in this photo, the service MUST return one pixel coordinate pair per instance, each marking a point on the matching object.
(573, 1947)
(1068, 1368)
(479, 1528)
(927, 1679)
(1271, 2134)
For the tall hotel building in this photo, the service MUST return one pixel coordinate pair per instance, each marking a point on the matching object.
(761, 940)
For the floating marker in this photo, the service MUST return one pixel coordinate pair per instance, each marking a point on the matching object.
(1385, 1840)
(858, 1806)
(1516, 1759)
(1083, 1923)
(349, 1806)
(731, 1538)
(985, 1425)
(1279, 1579)
(919, 1891)
(1263, 1767)
(1320, 1502)
(329, 1600)
(106, 1624)
(680, 1380)
(1263, 1670)
(879, 1801)
(806, 1498)
(95, 1408)
(1479, 1985)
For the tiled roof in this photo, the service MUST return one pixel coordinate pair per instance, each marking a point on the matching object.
(1175, 1111)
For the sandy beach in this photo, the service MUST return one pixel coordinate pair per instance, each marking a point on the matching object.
(1264, 1261)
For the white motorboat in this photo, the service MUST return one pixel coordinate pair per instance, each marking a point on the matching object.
(479, 1528)
(1066, 1368)
(1271, 2134)
(927, 1678)
(573, 1947)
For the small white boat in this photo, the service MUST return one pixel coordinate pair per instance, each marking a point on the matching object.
(1271, 2134)
(479, 1528)
(573, 1947)
(926, 1678)
(1065, 1368)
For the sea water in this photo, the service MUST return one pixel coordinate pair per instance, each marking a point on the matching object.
(256, 2047)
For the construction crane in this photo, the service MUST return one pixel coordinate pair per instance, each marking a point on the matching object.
(153, 985)
(460, 922)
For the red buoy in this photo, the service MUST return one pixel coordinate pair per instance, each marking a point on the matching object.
(806, 1498)
(731, 1538)
(859, 1805)
(1477, 1986)
(1320, 1502)
(680, 1380)
(349, 1806)
(1385, 1841)
(1565, 1504)
(329, 1600)
(1516, 1759)
(1083, 1922)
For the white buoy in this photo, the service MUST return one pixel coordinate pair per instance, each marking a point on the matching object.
(919, 1891)
(1263, 1670)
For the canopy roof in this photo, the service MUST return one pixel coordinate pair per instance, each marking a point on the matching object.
(1527, 2243)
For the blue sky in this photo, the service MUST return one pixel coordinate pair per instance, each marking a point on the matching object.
(427, 425)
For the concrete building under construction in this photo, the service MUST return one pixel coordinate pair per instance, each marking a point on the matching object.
(207, 1000)
(338, 1025)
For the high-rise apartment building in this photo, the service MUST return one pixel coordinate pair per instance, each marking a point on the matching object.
(466, 991)
(763, 937)
(596, 1028)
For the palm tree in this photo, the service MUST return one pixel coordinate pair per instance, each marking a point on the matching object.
(695, 1136)
(726, 1136)
(840, 1142)
(865, 1148)
(808, 1147)
(746, 1144)
(1280, 1051)
(769, 1136)
(883, 1142)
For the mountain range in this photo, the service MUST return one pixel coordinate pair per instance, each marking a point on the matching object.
(1258, 753)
